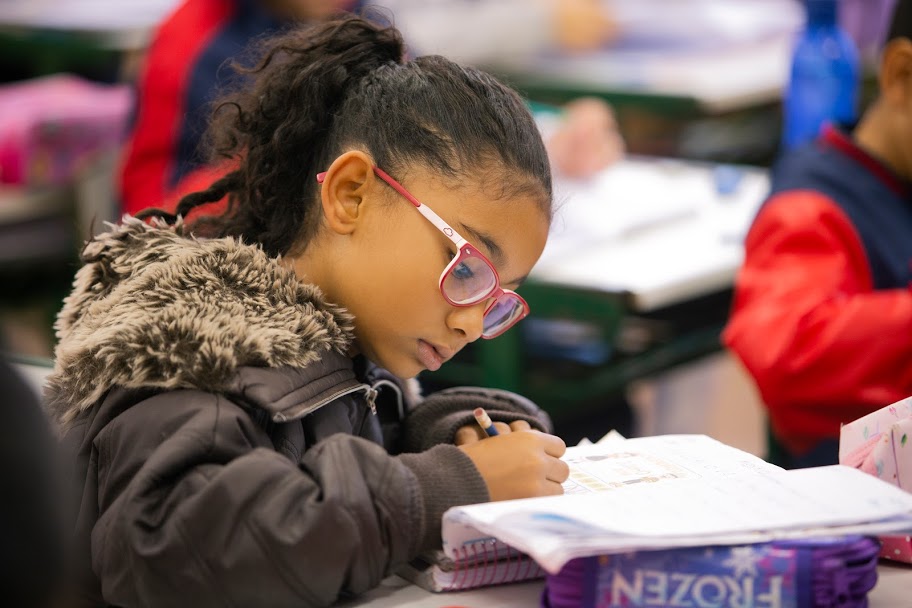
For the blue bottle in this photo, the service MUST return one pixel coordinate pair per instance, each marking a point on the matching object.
(824, 78)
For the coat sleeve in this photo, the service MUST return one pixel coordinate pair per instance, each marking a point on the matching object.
(806, 321)
(196, 508)
(436, 419)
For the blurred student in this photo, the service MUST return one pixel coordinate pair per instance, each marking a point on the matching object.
(236, 406)
(183, 71)
(31, 532)
(188, 63)
(822, 315)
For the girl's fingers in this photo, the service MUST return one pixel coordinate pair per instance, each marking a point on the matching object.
(553, 445)
(502, 427)
(520, 425)
(558, 471)
(469, 433)
(552, 488)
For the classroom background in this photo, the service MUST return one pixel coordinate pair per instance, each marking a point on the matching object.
(635, 286)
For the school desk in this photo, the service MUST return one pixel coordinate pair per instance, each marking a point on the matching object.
(88, 37)
(892, 591)
(42, 228)
(710, 80)
(34, 371)
(644, 255)
(106, 23)
(711, 100)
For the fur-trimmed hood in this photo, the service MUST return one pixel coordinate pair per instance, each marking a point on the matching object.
(155, 308)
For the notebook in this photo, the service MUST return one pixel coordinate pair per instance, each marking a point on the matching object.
(472, 559)
(436, 572)
(676, 491)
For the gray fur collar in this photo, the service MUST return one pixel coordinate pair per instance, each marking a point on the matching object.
(154, 308)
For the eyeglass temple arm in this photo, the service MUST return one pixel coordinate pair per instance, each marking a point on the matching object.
(422, 209)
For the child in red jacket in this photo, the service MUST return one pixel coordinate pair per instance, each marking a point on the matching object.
(822, 316)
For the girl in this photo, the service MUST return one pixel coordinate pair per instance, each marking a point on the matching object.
(232, 404)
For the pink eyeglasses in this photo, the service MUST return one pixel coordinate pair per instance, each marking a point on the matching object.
(469, 278)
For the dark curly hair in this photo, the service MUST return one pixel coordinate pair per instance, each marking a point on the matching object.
(320, 90)
(901, 24)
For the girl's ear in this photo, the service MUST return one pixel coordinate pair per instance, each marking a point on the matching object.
(896, 73)
(349, 179)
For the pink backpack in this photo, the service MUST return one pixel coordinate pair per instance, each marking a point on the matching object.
(51, 127)
(881, 444)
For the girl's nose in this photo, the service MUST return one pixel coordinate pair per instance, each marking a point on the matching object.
(468, 321)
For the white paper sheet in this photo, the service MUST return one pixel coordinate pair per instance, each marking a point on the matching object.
(627, 230)
(683, 496)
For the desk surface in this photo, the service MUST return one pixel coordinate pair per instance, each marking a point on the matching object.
(111, 23)
(17, 204)
(717, 56)
(892, 591)
(658, 230)
(714, 81)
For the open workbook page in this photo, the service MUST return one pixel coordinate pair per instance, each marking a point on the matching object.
(674, 491)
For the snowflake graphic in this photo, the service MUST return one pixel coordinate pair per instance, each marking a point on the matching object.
(743, 561)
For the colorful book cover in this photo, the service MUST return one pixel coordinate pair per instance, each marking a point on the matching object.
(788, 574)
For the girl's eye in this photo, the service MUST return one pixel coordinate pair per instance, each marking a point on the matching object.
(463, 272)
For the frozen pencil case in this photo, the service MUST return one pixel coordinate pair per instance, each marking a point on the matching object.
(806, 573)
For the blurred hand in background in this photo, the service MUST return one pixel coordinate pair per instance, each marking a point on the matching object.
(582, 25)
(586, 140)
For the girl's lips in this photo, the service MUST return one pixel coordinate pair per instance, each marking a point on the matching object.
(429, 356)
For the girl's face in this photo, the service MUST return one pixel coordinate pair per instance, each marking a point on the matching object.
(387, 271)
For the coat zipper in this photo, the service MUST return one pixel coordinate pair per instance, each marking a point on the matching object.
(369, 392)
(400, 400)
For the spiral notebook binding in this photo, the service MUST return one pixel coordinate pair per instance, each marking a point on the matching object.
(478, 564)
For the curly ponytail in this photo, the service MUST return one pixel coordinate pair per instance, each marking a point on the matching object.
(343, 83)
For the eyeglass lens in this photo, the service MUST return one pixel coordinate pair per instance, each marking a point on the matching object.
(469, 281)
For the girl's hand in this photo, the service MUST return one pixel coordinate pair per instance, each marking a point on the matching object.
(520, 465)
(471, 433)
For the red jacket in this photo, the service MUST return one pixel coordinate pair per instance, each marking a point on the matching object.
(823, 342)
(185, 65)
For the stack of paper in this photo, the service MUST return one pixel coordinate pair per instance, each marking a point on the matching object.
(679, 491)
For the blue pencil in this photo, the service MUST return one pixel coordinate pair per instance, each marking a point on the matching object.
(484, 421)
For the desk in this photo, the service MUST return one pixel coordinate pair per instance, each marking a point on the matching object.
(37, 225)
(699, 79)
(892, 591)
(659, 232)
(33, 371)
(709, 81)
(100, 39)
(107, 23)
